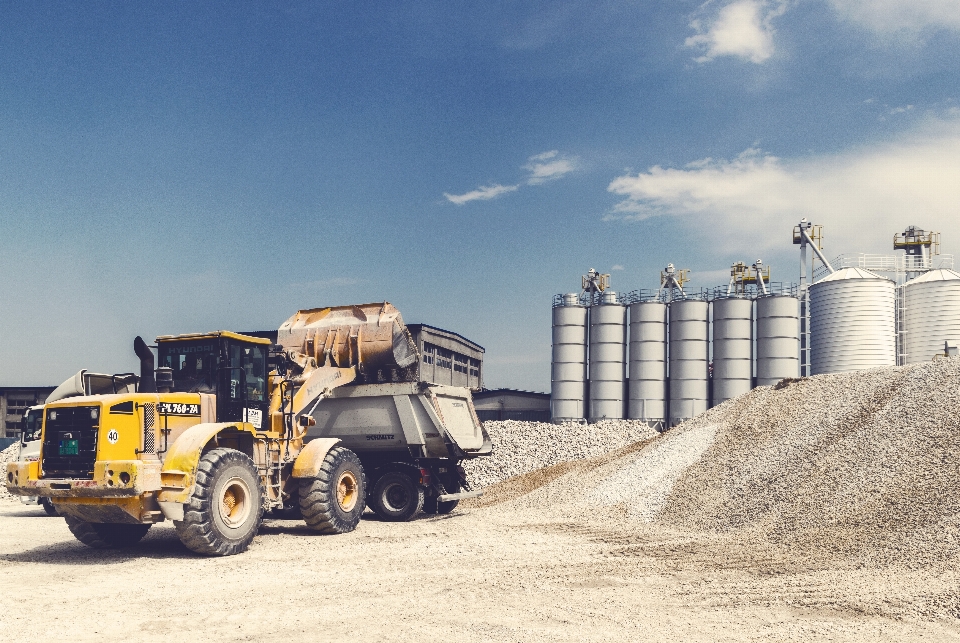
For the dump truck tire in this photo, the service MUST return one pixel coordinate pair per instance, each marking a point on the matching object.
(48, 507)
(102, 535)
(397, 497)
(333, 501)
(225, 509)
(432, 506)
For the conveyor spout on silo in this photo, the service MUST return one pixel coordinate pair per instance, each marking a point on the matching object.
(371, 336)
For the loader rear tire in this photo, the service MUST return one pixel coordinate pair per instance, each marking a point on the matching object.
(104, 535)
(48, 507)
(333, 501)
(224, 511)
(396, 497)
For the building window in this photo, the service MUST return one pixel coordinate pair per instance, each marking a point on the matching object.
(444, 358)
(429, 351)
(460, 363)
(474, 368)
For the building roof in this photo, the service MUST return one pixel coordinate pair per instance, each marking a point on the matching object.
(485, 393)
(851, 273)
(418, 327)
(941, 274)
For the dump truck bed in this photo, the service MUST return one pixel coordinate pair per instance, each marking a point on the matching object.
(428, 420)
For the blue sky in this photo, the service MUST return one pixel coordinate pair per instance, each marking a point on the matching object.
(196, 166)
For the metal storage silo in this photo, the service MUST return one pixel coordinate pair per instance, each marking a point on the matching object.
(852, 322)
(931, 314)
(568, 384)
(778, 339)
(608, 334)
(648, 363)
(732, 348)
(688, 359)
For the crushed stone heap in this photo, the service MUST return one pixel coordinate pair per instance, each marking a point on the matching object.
(10, 454)
(836, 461)
(522, 447)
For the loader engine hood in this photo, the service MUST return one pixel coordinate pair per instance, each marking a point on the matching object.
(370, 336)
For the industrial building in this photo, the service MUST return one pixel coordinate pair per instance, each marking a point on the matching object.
(663, 356)
(447, 357)
(14, 400)
(510, 404)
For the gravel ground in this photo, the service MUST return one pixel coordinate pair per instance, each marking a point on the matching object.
(821, 509)
(473, 576)
(522, 447)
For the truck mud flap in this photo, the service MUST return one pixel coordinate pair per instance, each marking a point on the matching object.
(447, 497)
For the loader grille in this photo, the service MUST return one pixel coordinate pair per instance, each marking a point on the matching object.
(70, 442)
(149, 428)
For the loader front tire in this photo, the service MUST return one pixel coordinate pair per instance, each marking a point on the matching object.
(224, 511)
(104, 535)
(333, 501)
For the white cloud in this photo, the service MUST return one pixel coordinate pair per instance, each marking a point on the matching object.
(890, 16)
(901, 110)
(617, 267)
(548, 166)
(483, 193)
(742, 29)
(861, 196)
(543, 167)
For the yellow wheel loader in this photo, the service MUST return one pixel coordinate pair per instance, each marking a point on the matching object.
(218, 434)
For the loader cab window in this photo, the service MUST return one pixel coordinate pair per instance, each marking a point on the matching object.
(32, 423)
(247, 371)
(194, 365)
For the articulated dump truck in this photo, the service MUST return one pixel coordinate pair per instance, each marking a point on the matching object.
(321, 423)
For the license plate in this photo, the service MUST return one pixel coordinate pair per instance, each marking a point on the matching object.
(69, 447)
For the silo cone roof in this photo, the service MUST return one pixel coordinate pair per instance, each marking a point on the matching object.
(850, 273)
(941, 274)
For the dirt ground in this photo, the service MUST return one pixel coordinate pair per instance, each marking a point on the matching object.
(483, 573)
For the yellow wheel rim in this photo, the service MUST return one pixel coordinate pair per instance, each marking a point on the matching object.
(347, 489)
(235, 504)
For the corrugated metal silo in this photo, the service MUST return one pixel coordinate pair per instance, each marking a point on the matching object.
(852, 322)
(568, 384)
(732, 348)
(608, 334)
(688, 359)
(778, 339)
(931, 314)
(648, 363)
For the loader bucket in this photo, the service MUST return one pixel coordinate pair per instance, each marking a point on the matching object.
(371, 336)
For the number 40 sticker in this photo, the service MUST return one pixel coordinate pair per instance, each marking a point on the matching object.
(113, 436)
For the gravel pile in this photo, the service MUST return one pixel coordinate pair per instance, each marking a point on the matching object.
(645, 483)
(522, 447)
(9, 454)
(864, 462)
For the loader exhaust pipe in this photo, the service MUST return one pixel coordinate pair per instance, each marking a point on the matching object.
(148, 382)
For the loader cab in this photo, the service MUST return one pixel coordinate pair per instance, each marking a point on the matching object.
(31, 425)
(229, 365)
